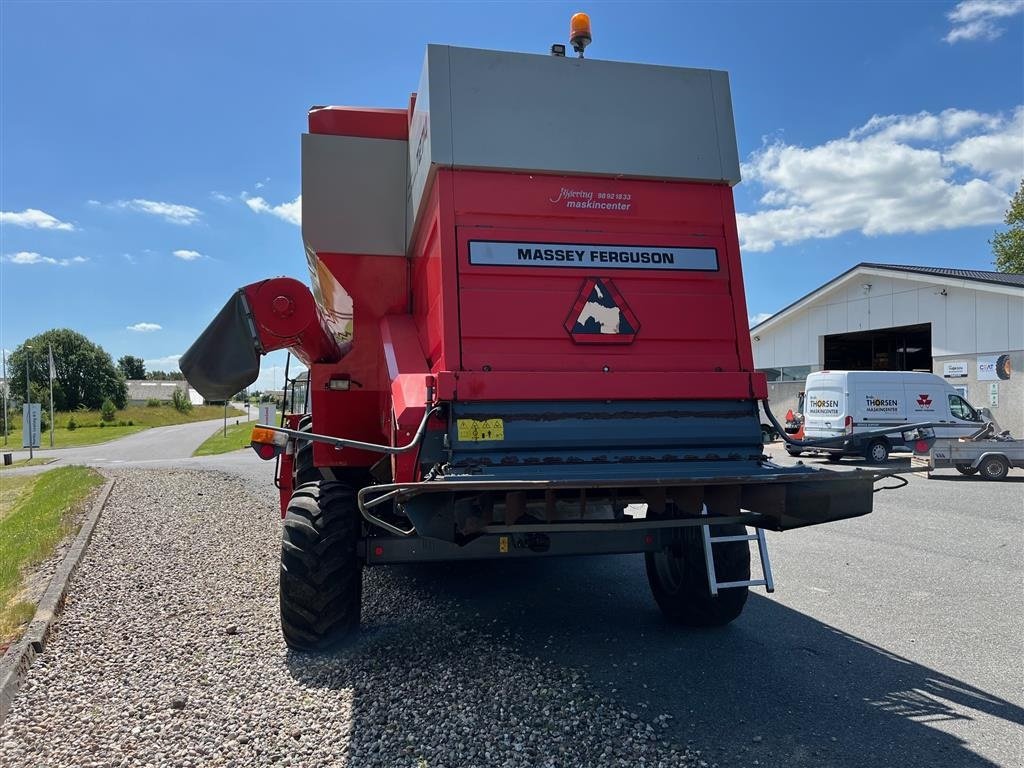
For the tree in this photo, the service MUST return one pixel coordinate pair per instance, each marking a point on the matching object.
(132, 367)
(85, 374)
(1008, 246)
(165, 376)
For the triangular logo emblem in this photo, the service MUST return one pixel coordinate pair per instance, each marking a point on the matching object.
(600, 315)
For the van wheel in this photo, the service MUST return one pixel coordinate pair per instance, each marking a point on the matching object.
(794, 452)
(834, 458)
(966, 469)
(877, 452)
(994, 468)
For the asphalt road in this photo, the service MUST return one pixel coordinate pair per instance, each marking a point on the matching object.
(891, 639)
(156, 446)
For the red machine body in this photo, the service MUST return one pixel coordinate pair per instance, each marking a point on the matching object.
(493, 333)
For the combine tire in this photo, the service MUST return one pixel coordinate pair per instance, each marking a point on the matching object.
(966, 469)
(303, 470)
(321, 576)
(994, 468)
(679, 579)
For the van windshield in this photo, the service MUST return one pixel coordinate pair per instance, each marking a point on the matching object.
(961, 409)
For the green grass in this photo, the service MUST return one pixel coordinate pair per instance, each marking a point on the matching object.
(36, 513)
(34, 462)
(237, 437)
(89, 431)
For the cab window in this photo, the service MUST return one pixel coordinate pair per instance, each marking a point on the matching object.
(961, 409)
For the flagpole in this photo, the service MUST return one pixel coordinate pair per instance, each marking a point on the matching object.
(7, 388)
(51, 396)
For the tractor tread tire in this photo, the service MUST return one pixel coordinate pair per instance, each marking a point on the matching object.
(689, 601)
(321, 575)
(303, 470)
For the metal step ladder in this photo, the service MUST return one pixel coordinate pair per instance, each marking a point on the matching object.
(762, 548)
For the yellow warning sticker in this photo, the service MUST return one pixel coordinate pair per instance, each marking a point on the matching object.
(503, 544)
(487, 429)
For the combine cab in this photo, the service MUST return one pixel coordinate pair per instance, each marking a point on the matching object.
(526, 336)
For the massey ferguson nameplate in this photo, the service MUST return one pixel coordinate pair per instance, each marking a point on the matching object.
(489, 253)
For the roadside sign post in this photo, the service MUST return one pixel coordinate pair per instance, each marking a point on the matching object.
(31, 414)
(268, 414)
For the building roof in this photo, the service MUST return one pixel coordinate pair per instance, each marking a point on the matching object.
(981, 276)
(1003, 280)
(153, 389)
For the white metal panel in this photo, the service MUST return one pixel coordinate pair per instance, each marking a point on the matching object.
(932, 309)
(801, 350)
(993, 330)
(819, 322)
(905, 308)
(837, 318)
(880, 310)
(961, 321)
(857, 315)
(784, 345)
(1015, 323)
(764, 351)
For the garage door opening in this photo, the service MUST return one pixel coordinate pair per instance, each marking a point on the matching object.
(906, 348)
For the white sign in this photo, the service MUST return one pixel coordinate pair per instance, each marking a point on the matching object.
(993, 394)
(31, 415)
(268, 414)
(994, 367)
(497, 254)
(955, 369)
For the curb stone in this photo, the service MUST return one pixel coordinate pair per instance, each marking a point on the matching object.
(15, 663)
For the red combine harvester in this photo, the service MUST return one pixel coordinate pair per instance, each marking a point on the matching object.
(526, 336)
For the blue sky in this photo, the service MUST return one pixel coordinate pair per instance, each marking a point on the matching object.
(149, 152)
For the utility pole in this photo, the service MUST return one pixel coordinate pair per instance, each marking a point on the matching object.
(52, 423)
(6, 393)
(28, 400)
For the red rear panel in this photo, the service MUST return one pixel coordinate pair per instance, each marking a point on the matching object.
(525, 304)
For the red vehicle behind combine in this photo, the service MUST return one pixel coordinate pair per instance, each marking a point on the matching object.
(527, 318)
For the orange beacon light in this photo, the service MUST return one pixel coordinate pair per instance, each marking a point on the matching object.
(579, 32)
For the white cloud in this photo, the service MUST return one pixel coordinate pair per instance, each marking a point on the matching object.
(980, 19)
(172, 212)
(760, 317)
(166, 363)
(188, 255)
(31, 257)
(33, 218)
(220, 197)
(895, 174)
(145, 327)
(290, 212)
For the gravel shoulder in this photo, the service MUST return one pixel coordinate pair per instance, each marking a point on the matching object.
(169, 653)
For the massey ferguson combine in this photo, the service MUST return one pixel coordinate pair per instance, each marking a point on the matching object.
(526, 336)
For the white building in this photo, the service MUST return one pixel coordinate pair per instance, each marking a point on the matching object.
(965, 325)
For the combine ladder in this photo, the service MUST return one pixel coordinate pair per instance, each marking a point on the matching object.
(762, 549)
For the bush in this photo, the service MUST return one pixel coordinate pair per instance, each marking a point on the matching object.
(107, 410)
(103, 424)
(72, 424)
(181, 402)
(131, 423)
(152, 403)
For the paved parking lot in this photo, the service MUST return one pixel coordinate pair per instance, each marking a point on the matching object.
(892, 639)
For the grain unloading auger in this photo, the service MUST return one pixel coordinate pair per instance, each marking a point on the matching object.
(526, 336)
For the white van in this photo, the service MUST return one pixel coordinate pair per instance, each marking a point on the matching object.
(853, 402)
